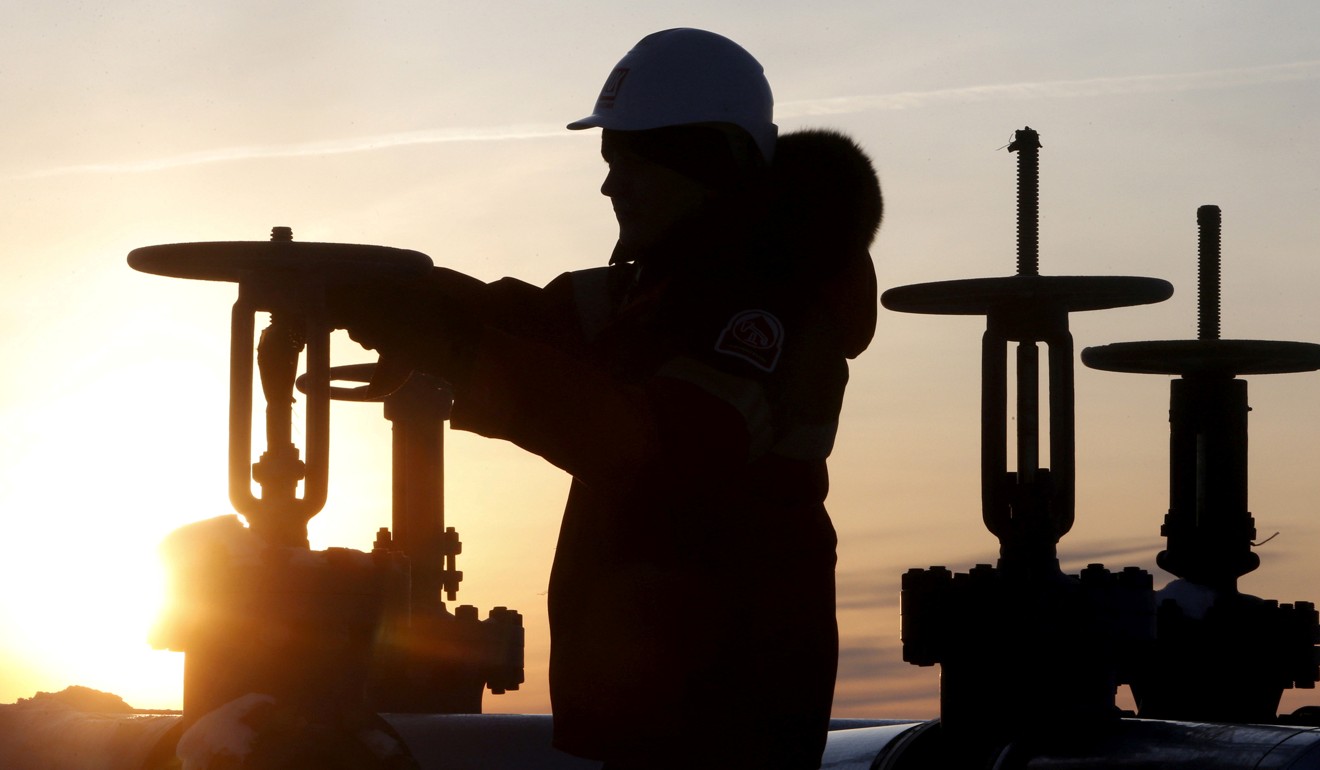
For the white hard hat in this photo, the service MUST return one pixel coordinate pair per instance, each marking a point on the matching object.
(682, 77)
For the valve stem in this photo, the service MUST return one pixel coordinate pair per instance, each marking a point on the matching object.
(1208, 220)
(1026, 143)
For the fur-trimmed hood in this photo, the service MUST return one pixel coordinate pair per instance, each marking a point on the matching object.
(803, 225)
(826, 210)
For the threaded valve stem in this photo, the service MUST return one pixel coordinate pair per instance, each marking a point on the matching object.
(1026, 143)
(1209, 221)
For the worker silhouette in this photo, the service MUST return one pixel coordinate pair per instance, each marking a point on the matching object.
(692, 389)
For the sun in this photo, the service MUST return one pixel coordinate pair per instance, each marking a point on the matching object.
(107, 469)
(98, 467)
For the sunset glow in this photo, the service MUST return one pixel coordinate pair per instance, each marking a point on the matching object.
(438, 128)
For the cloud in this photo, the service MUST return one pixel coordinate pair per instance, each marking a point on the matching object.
(1115, 554)
(1056, 89)
(874, 679)
(871, 659)
(875, 589)
(914, 696)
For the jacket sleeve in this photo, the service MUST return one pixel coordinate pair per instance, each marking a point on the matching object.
(741, 389)
(603, 431)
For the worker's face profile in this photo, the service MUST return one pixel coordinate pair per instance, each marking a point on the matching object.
(649, 199)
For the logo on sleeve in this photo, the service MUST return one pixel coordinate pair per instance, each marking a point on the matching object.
(754, 336)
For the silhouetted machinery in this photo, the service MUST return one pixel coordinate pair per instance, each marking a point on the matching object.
(330, 637)
(1220, 655)
(345, 659)
(1031, 658)
(1050, 648)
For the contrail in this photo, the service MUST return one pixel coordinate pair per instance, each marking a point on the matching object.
(1050, 89)
(308, 149)
(1056, 89)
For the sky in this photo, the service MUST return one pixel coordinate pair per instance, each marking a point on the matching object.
(438, 126)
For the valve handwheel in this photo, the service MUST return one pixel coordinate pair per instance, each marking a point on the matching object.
(236, 260)
(288, 279)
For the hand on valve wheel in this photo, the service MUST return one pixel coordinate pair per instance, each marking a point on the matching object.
(410, 323)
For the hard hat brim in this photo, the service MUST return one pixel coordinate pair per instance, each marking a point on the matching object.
(590, 121)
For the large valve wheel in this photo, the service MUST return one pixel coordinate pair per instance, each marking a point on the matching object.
(289, 280)
(239, 261)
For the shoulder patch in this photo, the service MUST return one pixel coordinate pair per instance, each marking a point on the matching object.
(755, 336)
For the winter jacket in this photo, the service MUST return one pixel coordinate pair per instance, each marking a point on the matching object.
(694, 402)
